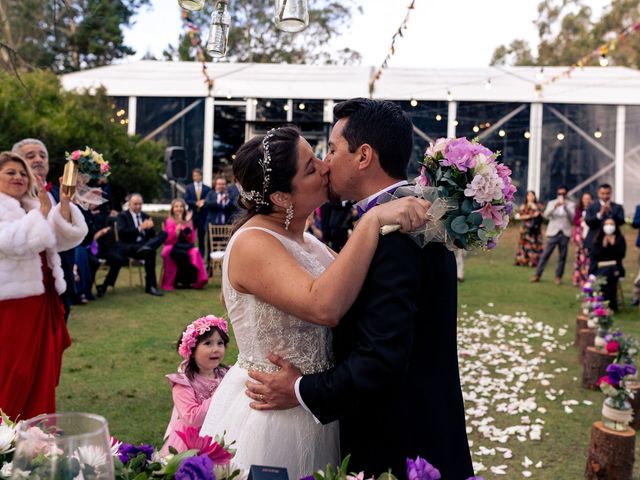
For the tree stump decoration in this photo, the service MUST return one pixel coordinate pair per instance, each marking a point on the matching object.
(595, 366)
(611, 454)
(586, 337)
(581, 324)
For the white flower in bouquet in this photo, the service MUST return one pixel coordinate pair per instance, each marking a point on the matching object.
(90, 455)
(115, 447)
(5, 471)
(7, 437)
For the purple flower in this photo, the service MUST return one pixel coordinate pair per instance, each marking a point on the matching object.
(491, 244)
(128, 451)
(508, 209)
(475, 478)
(420, 469)
(461, 154)
(617, 372)
(196, 468)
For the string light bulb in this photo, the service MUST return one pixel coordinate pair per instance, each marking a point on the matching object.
(501, 133)
(527, 134)
(449, 96)
(455, 122)
(597, 133)
(560, 136)
(438, 117)
(302, 106)
(488, 85)
(604, 61)
(286, 108)
(414, 102)
(476, 129)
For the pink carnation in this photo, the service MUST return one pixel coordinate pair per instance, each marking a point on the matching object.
(75, 155)
(104, 168)
(423, 180)
(460, 153)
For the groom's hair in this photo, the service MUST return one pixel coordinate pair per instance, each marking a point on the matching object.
(383, 125)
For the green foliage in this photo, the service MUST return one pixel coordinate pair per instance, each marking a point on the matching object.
(568, 31)
(254, 38)
(66, 35)
(66, 121)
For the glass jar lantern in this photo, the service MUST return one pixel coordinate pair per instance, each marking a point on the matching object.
(615, 418)
(192, 5)
(292, 15)
(219, 33)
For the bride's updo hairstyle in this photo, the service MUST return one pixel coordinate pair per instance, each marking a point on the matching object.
(264, 165)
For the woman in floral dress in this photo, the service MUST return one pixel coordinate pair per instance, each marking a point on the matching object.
(580, 229)
(530, 243)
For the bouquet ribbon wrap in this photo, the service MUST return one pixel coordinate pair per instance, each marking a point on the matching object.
(434, 230)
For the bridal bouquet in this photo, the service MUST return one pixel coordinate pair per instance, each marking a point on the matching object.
(471, 194)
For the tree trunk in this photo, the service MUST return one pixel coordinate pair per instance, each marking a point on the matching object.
(581, 323)
(595, 366)
(586, 337)
(7, 37)
(611, 454)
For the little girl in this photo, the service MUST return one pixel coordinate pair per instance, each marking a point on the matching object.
(202, 346)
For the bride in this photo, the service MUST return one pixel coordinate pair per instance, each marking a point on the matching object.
(283, 290)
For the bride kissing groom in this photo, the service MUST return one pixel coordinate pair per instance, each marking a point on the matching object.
(385, 378)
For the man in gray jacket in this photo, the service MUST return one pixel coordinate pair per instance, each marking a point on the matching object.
(560, 213)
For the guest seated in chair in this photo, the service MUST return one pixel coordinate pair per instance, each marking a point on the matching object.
(138, 240)
(608, 250)
(183, 265)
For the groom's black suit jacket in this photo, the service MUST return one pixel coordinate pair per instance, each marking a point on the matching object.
(395, 387)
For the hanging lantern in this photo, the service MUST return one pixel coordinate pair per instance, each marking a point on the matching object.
(292, 15)
(219, 32)
(192, 5)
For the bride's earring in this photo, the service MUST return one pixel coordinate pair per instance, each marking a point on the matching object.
(289, 217)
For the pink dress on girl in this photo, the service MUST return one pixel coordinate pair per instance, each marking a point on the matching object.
(191, 400)
(170, 269)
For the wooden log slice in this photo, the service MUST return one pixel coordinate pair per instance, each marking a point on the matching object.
(581, 324)
(586, 337)
(595, 366)
(611, 454)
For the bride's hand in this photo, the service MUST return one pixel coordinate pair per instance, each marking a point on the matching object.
(408, 212)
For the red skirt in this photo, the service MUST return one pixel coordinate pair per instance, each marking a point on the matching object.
(33, 335)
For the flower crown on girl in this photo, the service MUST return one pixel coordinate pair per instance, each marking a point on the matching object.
(197, 328)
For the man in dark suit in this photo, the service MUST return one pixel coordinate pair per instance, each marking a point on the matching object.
(194, 197)
(218, 204)
(136, 239)
(395, 388)
(599, 211)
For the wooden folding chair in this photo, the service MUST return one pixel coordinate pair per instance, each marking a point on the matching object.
(218, 241)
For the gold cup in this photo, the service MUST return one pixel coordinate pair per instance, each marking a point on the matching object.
(70, 178)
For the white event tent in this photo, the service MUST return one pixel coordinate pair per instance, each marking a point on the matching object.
(580, 130)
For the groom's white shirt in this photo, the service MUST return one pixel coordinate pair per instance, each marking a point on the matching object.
(363, 205)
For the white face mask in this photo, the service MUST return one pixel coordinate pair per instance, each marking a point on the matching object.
(609, 229)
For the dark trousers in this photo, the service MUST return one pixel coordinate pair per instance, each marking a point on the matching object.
(140, 251)
(562, 242)
(200, 224)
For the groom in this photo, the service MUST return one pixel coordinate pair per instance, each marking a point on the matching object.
(395, 388)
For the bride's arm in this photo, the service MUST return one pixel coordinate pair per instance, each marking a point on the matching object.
(259, 264)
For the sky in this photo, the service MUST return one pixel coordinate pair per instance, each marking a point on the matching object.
(441, 33)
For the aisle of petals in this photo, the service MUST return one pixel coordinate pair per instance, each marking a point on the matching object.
(503, 369)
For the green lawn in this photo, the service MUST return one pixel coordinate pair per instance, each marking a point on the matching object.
(124, 344)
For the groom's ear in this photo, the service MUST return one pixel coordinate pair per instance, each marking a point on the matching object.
(367, 154)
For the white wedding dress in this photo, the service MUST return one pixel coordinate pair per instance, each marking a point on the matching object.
(285, 438)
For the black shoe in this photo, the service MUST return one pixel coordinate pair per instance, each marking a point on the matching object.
(101, 290)
(154, 291)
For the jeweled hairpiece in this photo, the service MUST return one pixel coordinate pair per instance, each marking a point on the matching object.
(260, 198)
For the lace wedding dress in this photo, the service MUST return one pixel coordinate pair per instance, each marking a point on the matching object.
(286, 438)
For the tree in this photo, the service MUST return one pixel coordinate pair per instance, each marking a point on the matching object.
(254, 38)
(567, 32)
(65, 121)
(65, 35)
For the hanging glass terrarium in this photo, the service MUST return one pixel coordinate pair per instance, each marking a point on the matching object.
(292, 15)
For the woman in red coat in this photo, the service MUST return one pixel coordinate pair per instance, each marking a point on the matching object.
(183, 265)
(33, 333)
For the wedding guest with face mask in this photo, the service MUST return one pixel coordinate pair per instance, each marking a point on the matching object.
(608, 251)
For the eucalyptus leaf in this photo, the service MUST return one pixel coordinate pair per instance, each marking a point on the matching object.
(488, 224)
(467, 206)
(482, 235)
(459, 225)
(474, 219)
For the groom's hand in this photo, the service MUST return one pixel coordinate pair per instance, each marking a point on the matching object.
(275, 391)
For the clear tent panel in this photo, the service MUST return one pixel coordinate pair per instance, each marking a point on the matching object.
(632, 160)
(578, 148)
